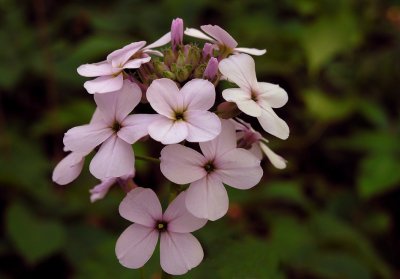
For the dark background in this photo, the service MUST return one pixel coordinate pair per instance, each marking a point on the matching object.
(333, 213)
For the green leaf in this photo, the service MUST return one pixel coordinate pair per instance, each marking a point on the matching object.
(34, 238)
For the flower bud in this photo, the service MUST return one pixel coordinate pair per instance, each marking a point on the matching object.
(183, 73)
(169, 57)
(199, 71)
(176, 33)
(193, 56)
(169, 74)
(212, 69)
(227, 110)
(160, 67)
(208, 51)
(181, 60)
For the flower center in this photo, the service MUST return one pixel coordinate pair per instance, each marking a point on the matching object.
(179, 116)
(254, 96)
(209, 167)
(161, 226)
(116, 127)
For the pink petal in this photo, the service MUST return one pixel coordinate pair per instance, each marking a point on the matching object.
(168, 131)
(198, 94)
(135, 127)
(220, 35)
(240, 69)
(120, 56)
(276, 160)
(69, 168)
(178, 217)
(207, 198)
(224, 142)
(99, 191)
(104, 84)
(164, 97)
(192, 32)
(272, 124)
(243, 100)
(212, 69)
(256, 151)
(96, 69)
(252, 51)
(115, 106)
(136, 245)
(96, 117)
(181, 164)
(115, 158)
(160, 42)
(202, 125)
(239, 168)
(136, 63)
(141, 205)
(153, 52)
(272, 95)
(86, 137)
(179, 252)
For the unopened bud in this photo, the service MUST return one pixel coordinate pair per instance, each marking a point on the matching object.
(193, 56)
(212, 69)
(169, 57)
(199, 71)
(169, 74)
(183, 73)
(176, 33)
(227, 110)
(160, 67)
(181, 60)
(208, 51)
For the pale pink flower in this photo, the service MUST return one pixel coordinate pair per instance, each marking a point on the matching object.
(212, 69)
(99, 191)
(183, 113)
(180, 251)
(252, 140)
(114, 129)
(221, 163)
(69, 168)
(110, 74)
(252, 97)
(176, 32)
(222, 39)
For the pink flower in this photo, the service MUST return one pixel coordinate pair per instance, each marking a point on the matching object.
(176, 32)
(110, 74)
(114, 129)
(221, 163)
(99, 191)
(222, 39)
(180, 251)
(254, 98)
(252, 140)
(183, 113)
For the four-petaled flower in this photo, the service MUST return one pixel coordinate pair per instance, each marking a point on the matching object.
(180, 251)
(221, 163)
(252, 97)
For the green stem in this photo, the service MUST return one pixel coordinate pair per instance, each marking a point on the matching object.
(142, 274)
(147, 158)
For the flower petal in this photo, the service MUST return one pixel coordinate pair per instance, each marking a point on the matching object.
(104, 84)
(178, 217)
(240, 69)
(207, 198)
(86, 137)
(202, 125)
(224, 142)
(136, 63)
(276, 160)
(115, 158)
(198, 94)
(115, 106)
(69, 168)
(256, 151)
(120, 56)
(272, 124)
(272, 95)
(220, 35)
(100, 190)
(168, 131)
(192, 32)
(239, 168)
(141, 205)
(160, 42)
(96, 69)
(181, 164)
(179, 252)
(135, 127)
(252, 51)
(136, 245)
(164, 97)
(243, 100)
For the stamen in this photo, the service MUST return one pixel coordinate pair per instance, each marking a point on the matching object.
(161, 226)
(209, 167)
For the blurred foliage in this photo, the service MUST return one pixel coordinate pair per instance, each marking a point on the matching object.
(333, 213)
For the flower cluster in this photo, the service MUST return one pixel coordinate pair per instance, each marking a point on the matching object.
(179, 84)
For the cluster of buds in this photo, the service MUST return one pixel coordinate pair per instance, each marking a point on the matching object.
(179, 84)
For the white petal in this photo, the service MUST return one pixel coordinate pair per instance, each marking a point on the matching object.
(252, 51)
(272, 95)
(104, 84)
(136, 63)
(207, 198)
(95, 69)
(141, 205)
(198, 94)
(160, 42)
(223, 37)
(69, 168)
(135, 127)
(120, 56)
(192, 32)
(272, 124)
(168, 131)
(179, 252)
(276, 160)
(153, 52)
(136, 245)
(115, 158)
(202, 125)
(240, 69)
(181, 164)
